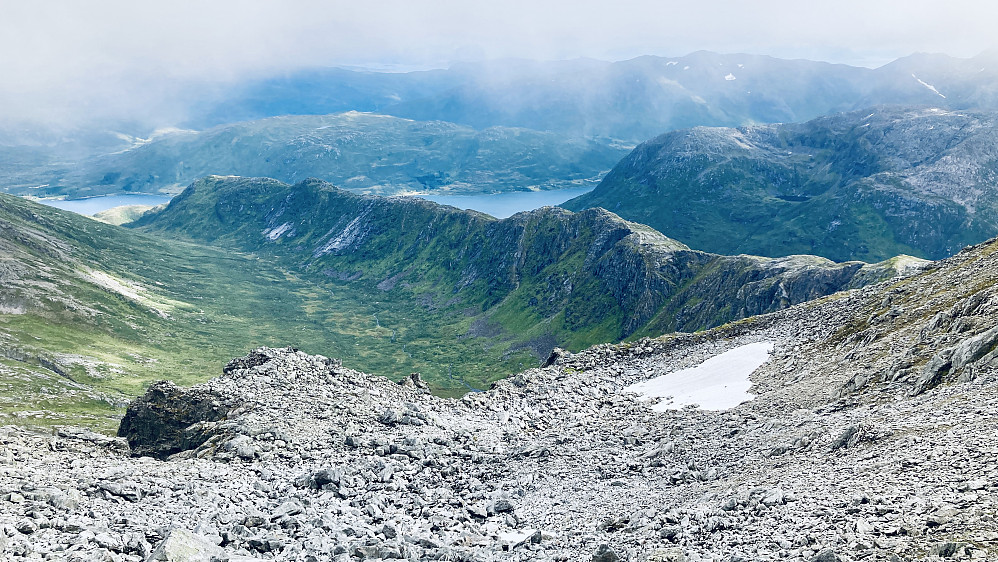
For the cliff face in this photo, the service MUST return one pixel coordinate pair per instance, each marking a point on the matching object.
(863, 185)
(581, 277)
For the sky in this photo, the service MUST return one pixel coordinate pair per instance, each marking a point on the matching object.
(71, 60)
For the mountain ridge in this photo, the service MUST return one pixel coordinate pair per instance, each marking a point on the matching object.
(540, 259)
(861, 185)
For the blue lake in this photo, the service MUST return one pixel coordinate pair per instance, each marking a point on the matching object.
(93, 205)
(499, 205)
(502, 205)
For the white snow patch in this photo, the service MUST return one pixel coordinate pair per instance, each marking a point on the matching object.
(719, 383)
(674, 63)
(730, 77)
(687, 67)
(516, 537)
(276, 232)
(929, 86)
(741, 66)
(349, 235)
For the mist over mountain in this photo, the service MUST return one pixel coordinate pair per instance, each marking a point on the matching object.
(862, 185)
(632, 100)
(367, 152)
(613, 104)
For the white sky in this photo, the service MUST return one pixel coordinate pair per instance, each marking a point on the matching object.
(61, 58)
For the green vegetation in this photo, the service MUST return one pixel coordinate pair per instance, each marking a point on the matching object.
(362, 151)
(389, 285)
(866, 185)
(64, 306)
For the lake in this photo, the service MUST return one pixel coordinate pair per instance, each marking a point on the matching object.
(502, 205)
(499, 205)
(93, 205)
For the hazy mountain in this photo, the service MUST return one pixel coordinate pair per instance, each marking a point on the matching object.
(368, 152)
(632, 100)
(861, 185)
(627, 101)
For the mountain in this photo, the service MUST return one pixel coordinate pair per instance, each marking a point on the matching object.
(90, 314)
(548, 277)
(861, 185)
(868, 434)
(367, 152)
(632, 100)
(611, 105)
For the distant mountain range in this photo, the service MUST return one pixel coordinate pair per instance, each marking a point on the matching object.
(632, 100)
(571, 279)
(367, 152)
(863, 185)
(613, 105)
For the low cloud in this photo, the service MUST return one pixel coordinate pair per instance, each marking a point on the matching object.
(65, 61)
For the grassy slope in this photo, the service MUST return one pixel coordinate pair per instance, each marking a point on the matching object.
(219, 305)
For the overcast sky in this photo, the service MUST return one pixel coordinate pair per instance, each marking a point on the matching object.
(63, 59)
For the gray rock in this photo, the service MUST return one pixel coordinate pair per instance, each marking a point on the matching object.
(181, 545)
(160, 423)
(605, 554)
(827, 555)
(26, 526)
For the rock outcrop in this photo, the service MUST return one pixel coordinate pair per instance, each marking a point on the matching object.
(169, 419)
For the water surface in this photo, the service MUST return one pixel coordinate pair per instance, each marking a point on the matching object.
(93, 205)
(502, 205)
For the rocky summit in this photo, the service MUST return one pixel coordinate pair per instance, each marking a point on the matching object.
(870, 437)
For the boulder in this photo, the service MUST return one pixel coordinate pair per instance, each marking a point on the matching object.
(181, 545)
(159, 423)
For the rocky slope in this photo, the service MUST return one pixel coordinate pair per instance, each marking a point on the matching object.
(863, 185)
(571, 279)
(362, 151)
(871, 437)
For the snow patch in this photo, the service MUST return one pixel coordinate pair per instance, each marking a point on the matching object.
(687, 67)
(719, 383)
(348, 236)
(929, 86)
(674, 63)
(276, 232)
(730, 77)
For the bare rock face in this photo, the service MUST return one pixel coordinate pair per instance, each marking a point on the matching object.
(169, 419)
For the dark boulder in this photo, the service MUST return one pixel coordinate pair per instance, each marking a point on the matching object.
(168, 419)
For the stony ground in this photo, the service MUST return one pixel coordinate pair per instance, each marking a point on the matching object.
(873, 437)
